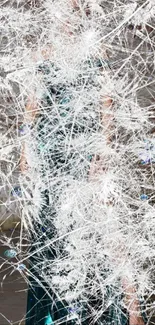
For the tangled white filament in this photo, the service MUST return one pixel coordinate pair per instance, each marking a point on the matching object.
(102, 221)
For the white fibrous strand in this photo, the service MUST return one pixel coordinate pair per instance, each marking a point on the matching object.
(88, 189)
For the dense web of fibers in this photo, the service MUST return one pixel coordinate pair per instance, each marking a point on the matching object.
(90, 168)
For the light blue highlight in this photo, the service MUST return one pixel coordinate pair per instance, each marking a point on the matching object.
(144, 197)
(49, 320)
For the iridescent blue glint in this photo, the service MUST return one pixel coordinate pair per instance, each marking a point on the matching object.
(24, 128)
(148, 154)
(16, 191)
(10, 253)
(144, 197)
(73, 310)
(90, 157)
(21, 267)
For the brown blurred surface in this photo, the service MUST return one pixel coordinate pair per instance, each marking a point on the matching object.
(13, 289)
